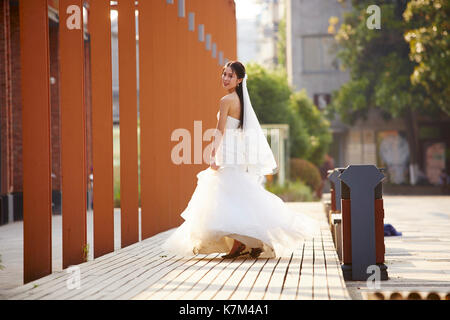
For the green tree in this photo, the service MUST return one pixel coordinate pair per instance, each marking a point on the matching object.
(270, 95)
(281, 42)
(429, 43)
(380, 69)
(275, 102)
(315, 124)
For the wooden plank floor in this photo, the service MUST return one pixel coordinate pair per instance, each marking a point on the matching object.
(144, 271)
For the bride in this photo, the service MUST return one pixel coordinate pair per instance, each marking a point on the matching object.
(230, 211)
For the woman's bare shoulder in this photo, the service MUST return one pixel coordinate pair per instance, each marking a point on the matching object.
(230, 98)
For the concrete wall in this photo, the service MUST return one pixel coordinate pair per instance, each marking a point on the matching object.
(310, 64)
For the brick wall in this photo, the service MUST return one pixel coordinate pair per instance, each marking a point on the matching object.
(7, 125)
(16, 100)
(55, 110)
(2, 102)
(88, 104)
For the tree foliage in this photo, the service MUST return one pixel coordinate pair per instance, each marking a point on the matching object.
(281, 43)
(275, 102)
(379, 64)
(314, 123)
(429, 43)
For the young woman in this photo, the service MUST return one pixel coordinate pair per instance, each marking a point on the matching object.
(230, 211)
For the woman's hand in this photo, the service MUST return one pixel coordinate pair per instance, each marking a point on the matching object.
(212, 161)
(214, 166)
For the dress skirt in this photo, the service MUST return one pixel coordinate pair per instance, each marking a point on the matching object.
(230, 203)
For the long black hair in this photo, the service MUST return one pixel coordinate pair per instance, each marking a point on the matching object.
(239, 69)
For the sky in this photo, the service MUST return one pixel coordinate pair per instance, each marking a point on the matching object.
(246, 9)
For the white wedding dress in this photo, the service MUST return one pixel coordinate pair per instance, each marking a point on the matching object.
(230, 203)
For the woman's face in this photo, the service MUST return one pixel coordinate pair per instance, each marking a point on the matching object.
(229, 79)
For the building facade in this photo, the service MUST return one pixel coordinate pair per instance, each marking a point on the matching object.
(258, 34)
(312, 65)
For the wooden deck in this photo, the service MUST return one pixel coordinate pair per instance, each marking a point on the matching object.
(144, 271)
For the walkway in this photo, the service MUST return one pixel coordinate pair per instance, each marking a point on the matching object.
(143, 271)
(419, 260)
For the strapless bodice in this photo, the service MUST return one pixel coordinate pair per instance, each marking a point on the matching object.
(230, 149)
(232, 123)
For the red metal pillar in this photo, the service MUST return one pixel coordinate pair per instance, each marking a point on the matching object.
(37, 187)
(153, 116)
(73, 128)
(129, 179)
(102, 127)
(347, 234)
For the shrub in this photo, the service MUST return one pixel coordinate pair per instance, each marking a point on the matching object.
(316, 126)
(305, 171)
(292, 191)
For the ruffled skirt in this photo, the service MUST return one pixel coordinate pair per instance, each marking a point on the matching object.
(231, 203)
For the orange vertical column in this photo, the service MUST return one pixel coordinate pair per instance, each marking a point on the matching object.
(222, 33)
(37, 189)
(164, 177)
(217, 13)
(193, 67)
(200, 55)
(73, 132)
(153, 118)
(212, 74)
(212, 20)
(225, 38)
(234, 31)
(189, 42)
(182, 102)
(203, 111)
(209, 37)
(129, 179)
(102, 127)
(172, 92)
(146, 102)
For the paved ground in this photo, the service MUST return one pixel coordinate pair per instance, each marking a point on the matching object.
(143, 271)
(417, 261)
(11, 248)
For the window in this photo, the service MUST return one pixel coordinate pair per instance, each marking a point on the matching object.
(321, 100)
(317, 55)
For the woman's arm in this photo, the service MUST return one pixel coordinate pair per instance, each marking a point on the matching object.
(224, 107)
